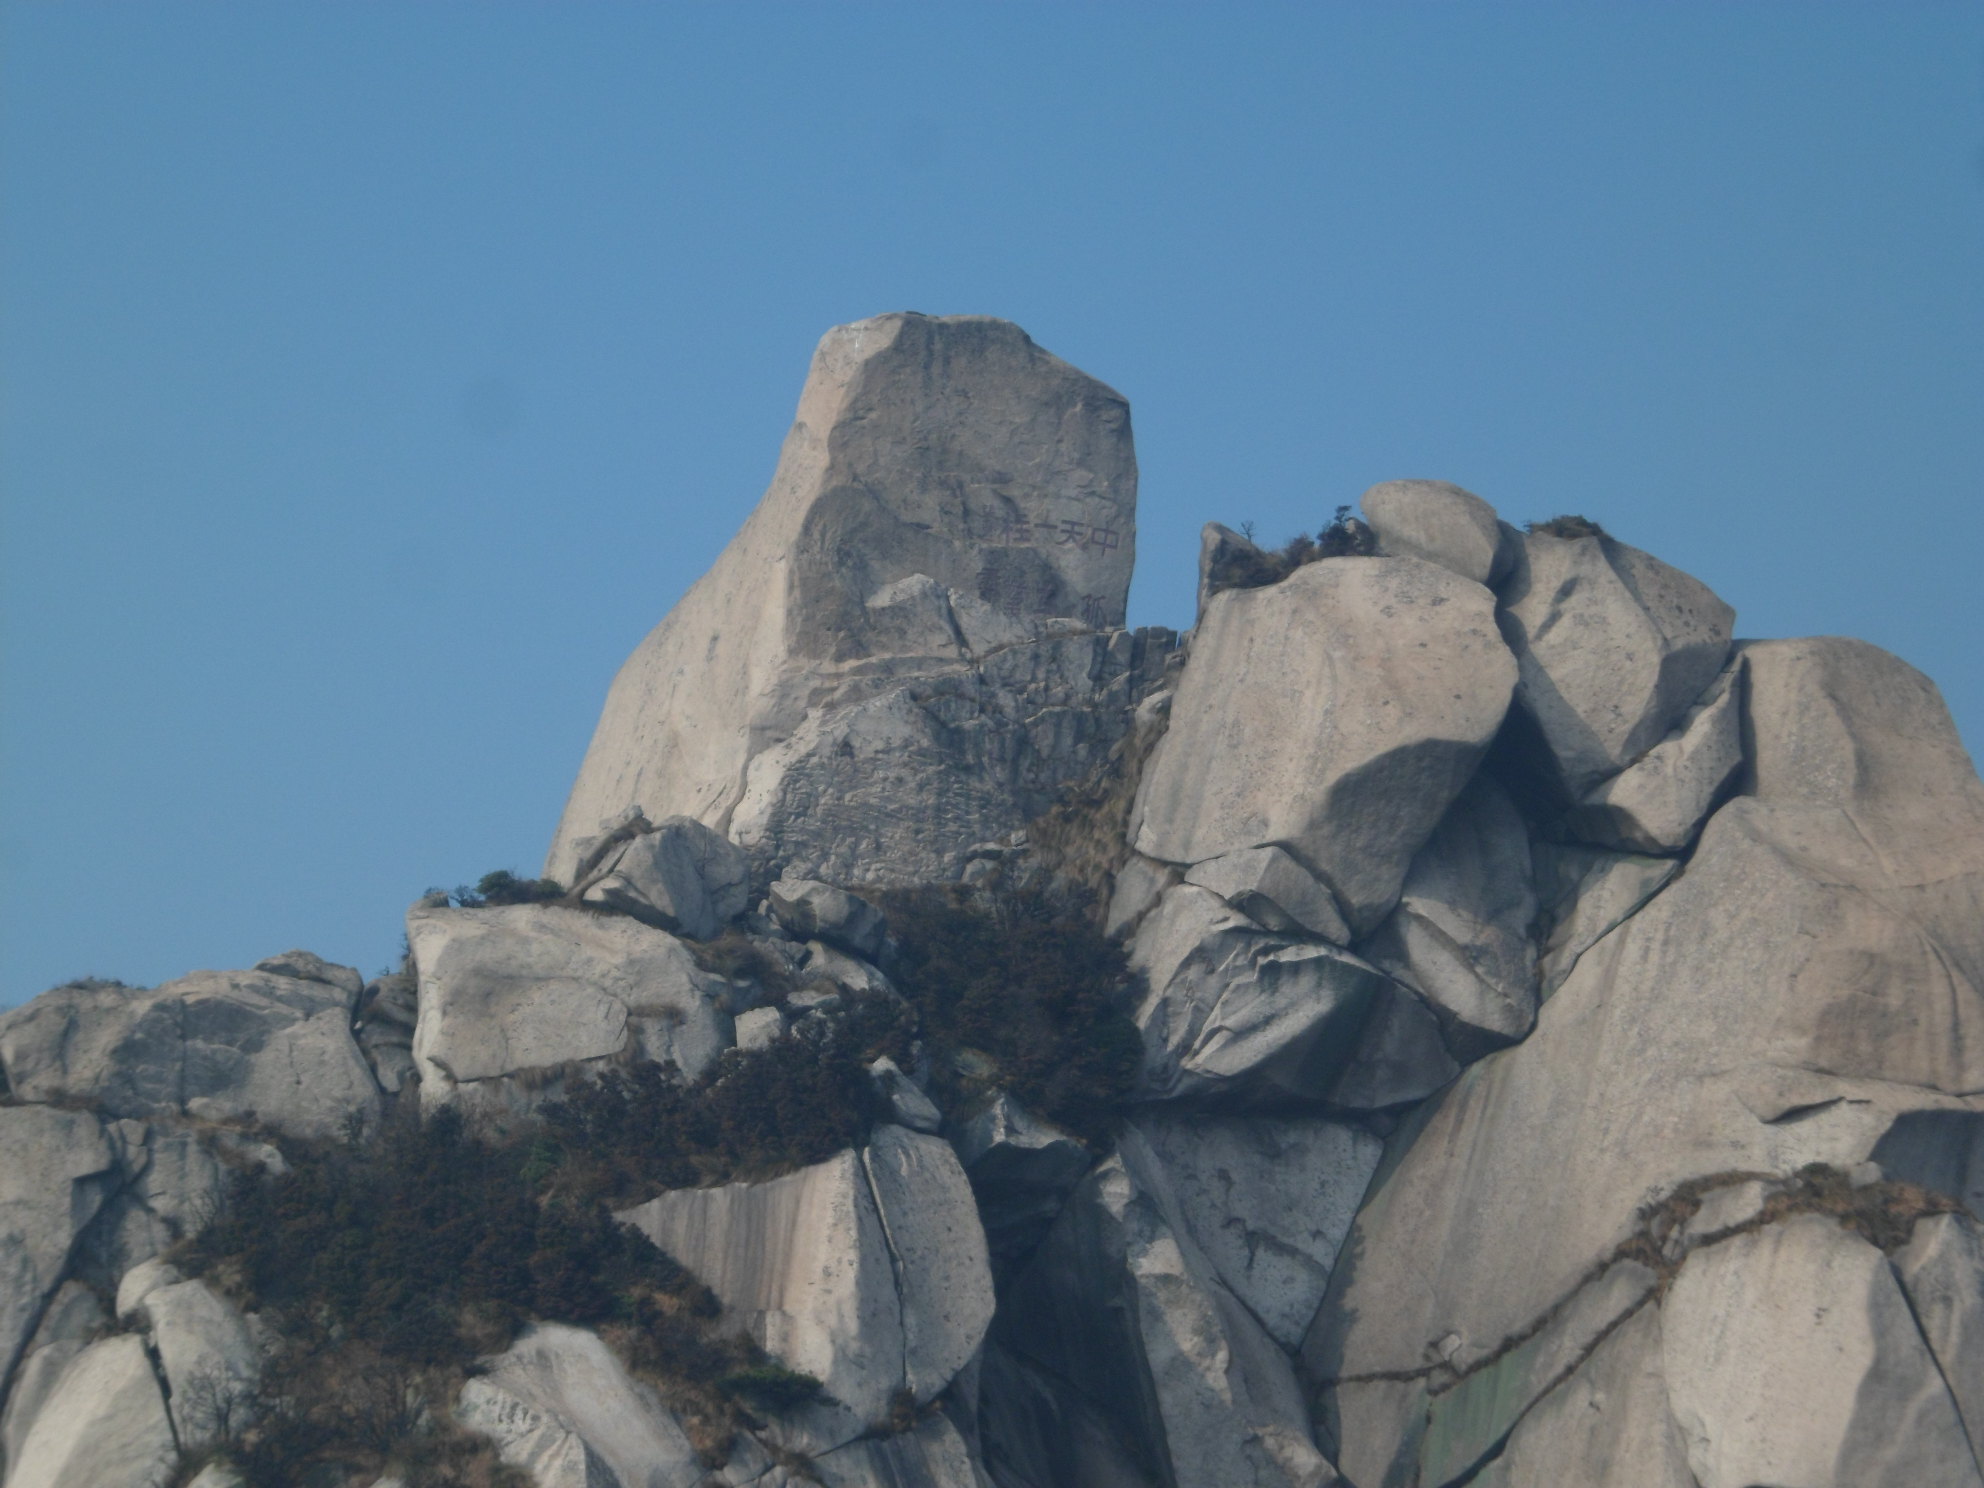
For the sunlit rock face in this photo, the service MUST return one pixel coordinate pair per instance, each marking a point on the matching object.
(932, 588)
(1523, 1036)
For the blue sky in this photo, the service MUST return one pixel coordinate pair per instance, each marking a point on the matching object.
(376, 375)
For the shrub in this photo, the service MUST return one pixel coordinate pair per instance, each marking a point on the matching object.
(759, 1112)
(1255, 568)
(1045, 999)
(771, 1388)
(504, 887)
(1566, 526)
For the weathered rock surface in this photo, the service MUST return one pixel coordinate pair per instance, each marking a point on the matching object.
(71, 1321)
(1273, 890)
(867, 1271)
(103, 1425)
(1336, 715)
(1657, 804)
(1829, 921)
(1583, 894)
(679, 876)
(560, 1406)
(1791, 1357)
(950, 449)
(1461, 933)
(1438, 522)
(1268, 1201)
(1941, 1271)
(258, 1047)
(1613, 645)
(807, 908)
(210, 1360)
(57, 1173)
(1607, 1426)
(1022, 1169)
(1167, 1377)
(539, 987)
(931, 1454)
(1235, 1015)
(1400, 1056)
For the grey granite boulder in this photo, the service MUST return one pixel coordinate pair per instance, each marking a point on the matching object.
(950, 448)
(242, 1047)
(57, 1173)
(1335, 715)
(1461, 933)
(1436, 521)
(1658, 804)
(1791, 1356)
(1809, 980)
(1121, 1313)
(1614, 647)
(209, 1357)
(1273, 890)
(1401, 1056)
(512, 998)
(103, 1425)
(1268, 1201)
(560, 1406)
(807, 909)
(679, 876)
(1234, 1015)
(867, 1271)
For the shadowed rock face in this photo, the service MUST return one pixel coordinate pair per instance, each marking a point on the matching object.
(947, 491)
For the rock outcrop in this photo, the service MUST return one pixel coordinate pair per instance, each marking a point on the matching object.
(867, 1272)
(1467, 1020)
(1335, 715)
(272, 1047)
(512, 997)
(925, 605)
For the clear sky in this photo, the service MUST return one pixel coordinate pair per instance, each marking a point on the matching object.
(376, 375)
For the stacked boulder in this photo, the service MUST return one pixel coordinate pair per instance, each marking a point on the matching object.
(1558, 1048)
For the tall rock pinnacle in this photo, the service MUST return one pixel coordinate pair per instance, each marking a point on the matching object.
(947, 491)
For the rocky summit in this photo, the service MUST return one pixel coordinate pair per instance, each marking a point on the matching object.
(1457, 1016)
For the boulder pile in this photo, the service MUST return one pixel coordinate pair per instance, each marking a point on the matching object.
(1524, 1035)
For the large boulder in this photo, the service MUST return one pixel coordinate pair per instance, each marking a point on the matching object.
(1131, 1351)
(59, 1169)
(949, 492)
(1658, 804)
(1613, 645)
(103, 1425)
(265, 1047)
(1335, 715)
(1234, 1015)
(1439, 522)
(560, 1406)
(512, 998)
(867, 1271)
(1812, 978)
(1461, 933)
(211, 1363)
(679, 876)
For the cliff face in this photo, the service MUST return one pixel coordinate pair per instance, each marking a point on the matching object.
(1459, 1017)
